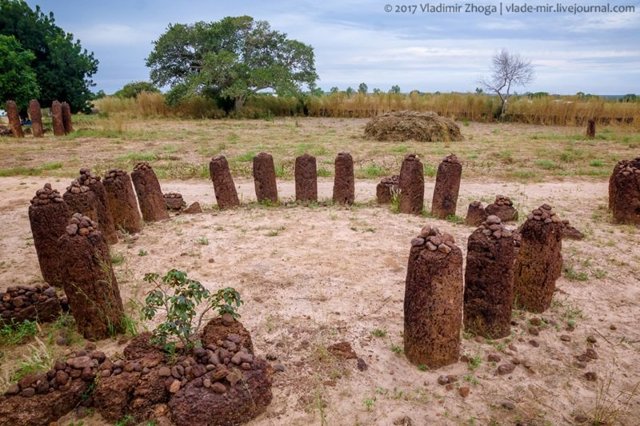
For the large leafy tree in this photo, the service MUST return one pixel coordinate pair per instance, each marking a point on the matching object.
(62, 67)
(17, 78)
(232, 58)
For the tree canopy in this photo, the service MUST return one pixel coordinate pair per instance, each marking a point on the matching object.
(17, 78)
(133, 89)
(63, 69)
(231, 58)
(507, 71)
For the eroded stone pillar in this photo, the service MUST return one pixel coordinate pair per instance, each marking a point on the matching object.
(411, 185)
(226, 194)
(344, 190)
(306, 177)
(122, 202)
(150, 198)
(264, 177)
(445, 192)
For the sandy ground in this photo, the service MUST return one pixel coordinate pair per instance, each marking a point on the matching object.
(314, 276)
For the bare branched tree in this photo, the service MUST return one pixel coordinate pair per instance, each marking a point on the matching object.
(508, 71)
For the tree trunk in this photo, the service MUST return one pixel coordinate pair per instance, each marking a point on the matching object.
(238, 103)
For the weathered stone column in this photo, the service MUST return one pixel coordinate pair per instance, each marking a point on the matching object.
(48, 216)
(56, 119)
(411, 185)
(174, 201)
(488, 277)
(264, 178)
(344, 190)
(90, 284)
(80, 199)
(105, 220)
(433, 300)
(387, 188)
(624, 192)
(66, 118)
(503, 208)
(35, 113)
(445, 193)
(226, 194)
(150, 197)
(476, 214)
(306, 176)
(121, 200)
(539, 261)
(14, 119)
(591, 128)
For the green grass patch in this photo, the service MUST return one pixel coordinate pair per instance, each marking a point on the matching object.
(17, 333)
(373, 171)
(429, 170)
(138, 156)
(547, 164)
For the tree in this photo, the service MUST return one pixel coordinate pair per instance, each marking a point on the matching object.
(395, 89)
(232, 58)
(363, 88)
(63, 69)
(508, 71)
(133, 89)
(17, 78)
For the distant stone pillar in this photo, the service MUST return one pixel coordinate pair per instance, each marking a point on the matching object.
(624, 192)
(150, 197)
(488, 277)
(387, 188)
(503, 208)
(445, 193)
(80, 199)
(476, 214)
(433, 300)
(306, 176)
(90, 284)
(66, 118)
(105, 220)
(48, 217)
(56, 118)
(344, 191)
(14, 119)
(411, 185)
(539, 261)
(121, 200)
(591, 128)
(264, 178)
(35, 113)
(226, 194)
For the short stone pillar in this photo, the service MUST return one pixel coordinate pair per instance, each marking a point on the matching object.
(591, 128)
(411, 185)
(121, 200)
(624, 192)
(48, 216)
(35, 114)
(66, 118)
(90, 284)
(539, 260)
(56, 119)
(14, 119)
(223, 186)
(104, 218)
(152, 204)
(476, 214)
(445, 192)
(80, 199)
(264, 178)
(174, 201)
(344, 190)
(488, 277)
(503, 208)
(306, 176)
(387, 188)
(433, 300)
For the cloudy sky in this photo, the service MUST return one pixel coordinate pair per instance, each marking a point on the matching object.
(359, 41)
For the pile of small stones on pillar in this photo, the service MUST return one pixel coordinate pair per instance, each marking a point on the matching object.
(476, 214)
(503, 208)
(104, 218)
(147, 186)
(447, 187)
(264, 178)
(35, 113)
(14, 119)
(30, 303)
(306, 178)
(624, 192)
(57, 119)
(433, 300)
(488, 291)
(122, 202)
(344, 181)
(539, 260)
(89, 281)
(80, 199)
(411, 183)
(48, 217)
(387, 188)
(174, 201)
(223, 186)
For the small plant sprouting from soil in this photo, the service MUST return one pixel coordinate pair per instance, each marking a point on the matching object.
(117, 259)
(203, 241)
(378, 332)
(17, 333)
(142, 252)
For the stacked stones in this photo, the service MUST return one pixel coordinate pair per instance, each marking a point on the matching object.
(66, 118)
(121, 201)
(445, 193)
(539, 261)
(14, 119)
(503, 208)
(344, 182)
(624, 192)
(104, 218)
(306, 177)
(48, 216)
(34, 303)
(411, 183)
(150, 197)
(223, 186)
(476, 214)
(90, 284)
(174, 201)
(387, 188)
(264, 177)
(81, 199)
(56, 119)
(488, 292)
(433, 300)
(35, 113)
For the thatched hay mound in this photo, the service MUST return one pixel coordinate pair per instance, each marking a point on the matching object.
(411, 125)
